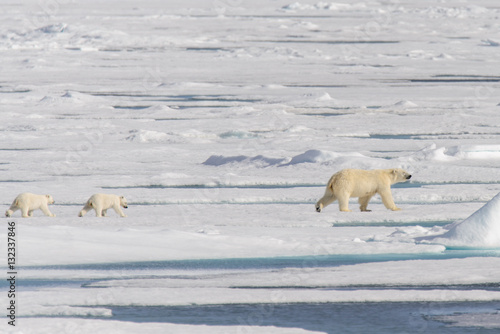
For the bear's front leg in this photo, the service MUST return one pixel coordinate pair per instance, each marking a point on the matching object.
(46, 211)
(119, 211)
(388, 200)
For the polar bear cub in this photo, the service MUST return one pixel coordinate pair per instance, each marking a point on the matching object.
(102, 202)
(363, 184)
(27, 203)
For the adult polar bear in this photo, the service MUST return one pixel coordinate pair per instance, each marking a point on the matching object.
(102, 202)
(28, 202)
(363, 184)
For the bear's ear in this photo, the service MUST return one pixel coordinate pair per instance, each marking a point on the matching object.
(48, 196)
(394, 171)
(122, 197)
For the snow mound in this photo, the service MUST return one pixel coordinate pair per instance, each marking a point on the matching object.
(54, 28)
(490, 42)
(443, 56)
(317, 156)
(259, 160)
(159, 112)
(319, 6)
(318, 97)
(325, 97)
(474, 151)
(461, 152)
(453, 12)
(145, 136)
(49, 100)
(481, 229)
(68, 311)
(405, 104)
(239, 134)
(76, 97)
(310, 156)
(70, 97)
(160, 108)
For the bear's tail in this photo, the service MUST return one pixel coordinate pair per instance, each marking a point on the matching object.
(331, 182)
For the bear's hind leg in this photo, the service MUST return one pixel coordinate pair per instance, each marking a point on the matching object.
(98, 211)
(24, 212)
(85, 209)
(344, 203)
(13, 208)
(326, 200)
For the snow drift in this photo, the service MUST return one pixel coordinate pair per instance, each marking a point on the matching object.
(459, 152)
(481, 229)
(310, 156)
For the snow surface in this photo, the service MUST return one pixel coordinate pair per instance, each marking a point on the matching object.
(221, 122)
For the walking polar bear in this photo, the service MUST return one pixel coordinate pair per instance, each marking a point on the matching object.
(363, 184)
(27, 203)
(102, 202)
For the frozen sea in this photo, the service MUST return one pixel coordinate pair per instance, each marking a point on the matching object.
(221, 122)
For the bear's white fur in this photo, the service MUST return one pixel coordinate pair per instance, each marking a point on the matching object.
(363, 184)
(102, 202)
(27, 203)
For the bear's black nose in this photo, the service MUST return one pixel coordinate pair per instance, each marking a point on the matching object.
(408, 177)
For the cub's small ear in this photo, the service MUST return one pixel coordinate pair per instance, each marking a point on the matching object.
(48, 196)
(394, 171)
(122, 197)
